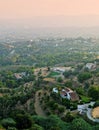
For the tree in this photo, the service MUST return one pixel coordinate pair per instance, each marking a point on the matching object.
(55, 128)
(94, 92)
(80, 90)
(39, 94)
(50, 123)
(61, 109)
(67, 73)
(66, 102)
(36, 127)
(1, 84)
(48, 68)
(55, 106)
(96, 103)
(8, 122)
(68, 117)
(95, 127)
(80, 124)
(23, 121)
(87, 85)
(84, 76)
(68, 83)
(60, 79)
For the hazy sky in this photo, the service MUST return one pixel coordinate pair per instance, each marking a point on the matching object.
(31, 8)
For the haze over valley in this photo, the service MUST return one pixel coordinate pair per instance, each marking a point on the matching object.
(49, 65)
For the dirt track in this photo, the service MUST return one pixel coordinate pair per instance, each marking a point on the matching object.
(37, 106)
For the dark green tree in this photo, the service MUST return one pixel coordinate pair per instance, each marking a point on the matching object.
(23, 121)
(80, 124)
(94, 92)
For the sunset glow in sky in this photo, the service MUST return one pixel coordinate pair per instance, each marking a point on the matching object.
(31, 8)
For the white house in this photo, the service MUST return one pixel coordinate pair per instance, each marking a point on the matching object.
(61, 69)
(91, 65)
(55, 90)
(69, 94)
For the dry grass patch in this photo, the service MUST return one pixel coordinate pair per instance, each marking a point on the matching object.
(1, 95)
(49, 79)
(95, 112)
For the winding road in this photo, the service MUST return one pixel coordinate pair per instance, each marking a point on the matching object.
(89, 115)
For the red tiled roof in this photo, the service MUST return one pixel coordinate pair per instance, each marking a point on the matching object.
(74, 96)
(63, 93)
(67, 90)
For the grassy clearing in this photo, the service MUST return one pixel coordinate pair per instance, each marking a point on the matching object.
(85, 99)
(53, 74)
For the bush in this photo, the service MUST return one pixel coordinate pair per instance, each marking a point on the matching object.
(69, 117)
(96, 104)
(73, 106)
(8, 122)
(94, 92)
(84, 76)
(36, 127)
(23, 121)
(60, 79)
(80, 124)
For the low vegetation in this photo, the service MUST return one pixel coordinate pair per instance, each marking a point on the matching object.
(28, 77)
